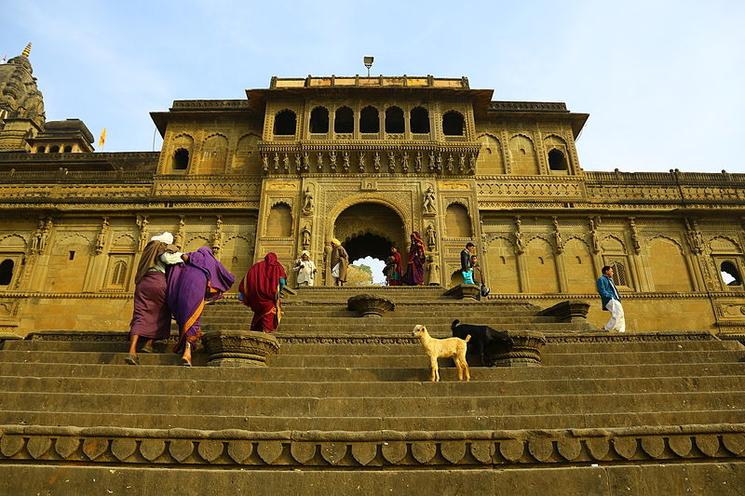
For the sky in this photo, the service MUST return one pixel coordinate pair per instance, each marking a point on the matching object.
(663, 81)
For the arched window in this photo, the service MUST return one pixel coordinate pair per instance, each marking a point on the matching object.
(285, 123)
(54, 149)
(41, 149)
(452, 123)
(394, 120)
(67, 149)
(556, 160)
(619, 274)
(344, 120)
(180, 159)
(119, 274)
(319, 120)
(419, 120)
(730, 275)
(6, 272)
(369, 120)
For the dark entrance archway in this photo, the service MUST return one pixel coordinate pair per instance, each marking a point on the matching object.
(369, 229)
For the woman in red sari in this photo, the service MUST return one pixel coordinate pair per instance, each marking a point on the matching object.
(260, 289)
(415, 270)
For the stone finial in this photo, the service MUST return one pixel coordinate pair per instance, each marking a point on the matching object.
(26, 51)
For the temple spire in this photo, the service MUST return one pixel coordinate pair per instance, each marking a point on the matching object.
(27, 51)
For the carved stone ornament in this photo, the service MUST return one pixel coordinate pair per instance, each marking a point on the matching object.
(305, 237)
(142, 223)
(431, 237)
(101, 237)
(308, 203)
(367, 305)
(635, 236)
(519, 241)
(524, 352)
(468, 292)
(239, 348)
(428, 203)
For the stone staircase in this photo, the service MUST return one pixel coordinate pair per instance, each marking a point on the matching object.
(346, 408)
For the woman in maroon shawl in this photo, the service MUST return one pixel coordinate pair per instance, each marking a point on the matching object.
(415, 271)
(151, 317)
(259, 290)
(203, 279)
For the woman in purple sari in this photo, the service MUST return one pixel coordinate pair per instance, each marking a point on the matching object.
(415, 270)
(201, 280)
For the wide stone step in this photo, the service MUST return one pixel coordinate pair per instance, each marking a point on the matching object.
(389, 389)
(120, 345)
(304, 406)
(374, 325)
(418, 360)
(408, 320)
(345, 374)
(401, 423)
(419, 422)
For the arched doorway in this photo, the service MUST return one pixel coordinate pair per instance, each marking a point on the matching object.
(369, 229)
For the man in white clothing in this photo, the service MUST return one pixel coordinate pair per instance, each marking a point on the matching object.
(611, 301)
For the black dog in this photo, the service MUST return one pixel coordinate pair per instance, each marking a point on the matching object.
(485, 341)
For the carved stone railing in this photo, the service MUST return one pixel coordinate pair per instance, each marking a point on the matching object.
(568, 311)
(367, 305)
(525, 350)
(239, 348)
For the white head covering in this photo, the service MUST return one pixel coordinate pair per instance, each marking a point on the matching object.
(166, 238)
(305, 252)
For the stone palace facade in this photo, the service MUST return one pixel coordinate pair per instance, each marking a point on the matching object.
(366, 160)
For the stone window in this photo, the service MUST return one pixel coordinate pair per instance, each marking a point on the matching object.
(369, 120)
(54, 149)
(67, 149)
(556, 160)
(344, 120)
(279, 221)
(419, 120)
(620, 277)
(119, 274)
(6, 272)
(394, 120)
(457, 221)
(180, 159)
(452, 123)
(41, 149)
(730, 275)
(319, 120)
(285, 123)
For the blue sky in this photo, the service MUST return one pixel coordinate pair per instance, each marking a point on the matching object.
(663, 82)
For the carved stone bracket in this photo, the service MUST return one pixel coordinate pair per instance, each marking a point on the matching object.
(568, 311)
(367, 305)
(239, 348)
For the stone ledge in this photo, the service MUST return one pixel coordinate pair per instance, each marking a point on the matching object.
(568, 311)
(521, 448)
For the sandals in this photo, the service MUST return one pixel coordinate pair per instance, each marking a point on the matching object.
(147, 348)
(132, 359)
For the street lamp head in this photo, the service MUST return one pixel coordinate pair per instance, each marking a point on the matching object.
(368, 60)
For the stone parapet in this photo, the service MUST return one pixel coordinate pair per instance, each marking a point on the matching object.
(239, 348)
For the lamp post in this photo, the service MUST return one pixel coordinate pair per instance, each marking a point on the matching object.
(368, 61)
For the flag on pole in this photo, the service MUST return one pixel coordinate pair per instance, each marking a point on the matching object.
(102, 138)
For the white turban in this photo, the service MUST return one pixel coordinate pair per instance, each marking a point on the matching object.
(166, 238)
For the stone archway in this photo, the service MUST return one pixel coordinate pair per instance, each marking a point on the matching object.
(378, 224)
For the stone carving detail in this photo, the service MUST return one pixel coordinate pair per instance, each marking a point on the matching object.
(116, 446)
(332, 160)
(376, 162)
(367, 305)
(298, 162)
(319, 164)
(101, 236)
(434, 278)
(39, 241)
(405, 163)
(305, 237)
(635, 236)
(391, 162)
(142, 223)
(178, 239)
(431, 237)
(217, 236)
(362, 162)
(518, 237)
(239, 348)
(558, 243)
(418, 162)
(428, 204)
(346, 165)
(308, 202)
(524, 352)
(694, 236)
(594, 241)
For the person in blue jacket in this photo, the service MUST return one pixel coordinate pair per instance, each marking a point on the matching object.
(611, 301)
